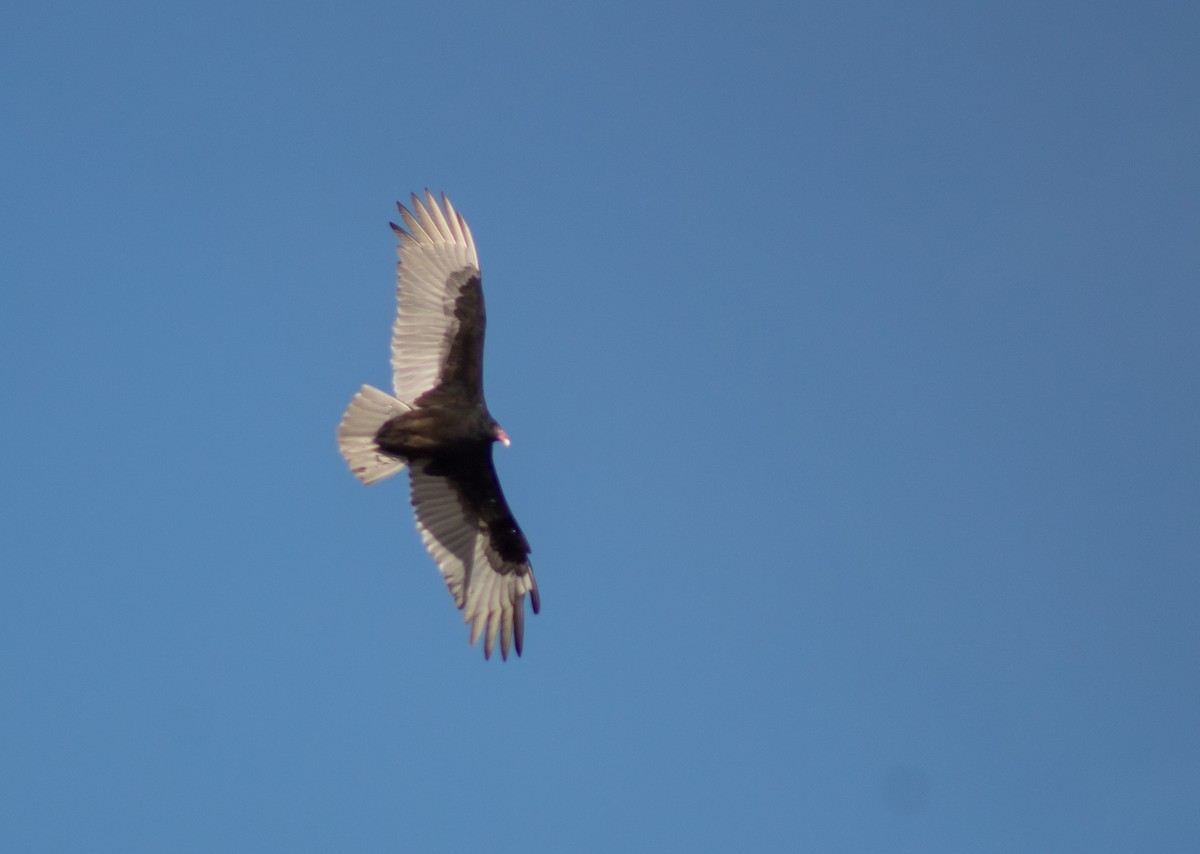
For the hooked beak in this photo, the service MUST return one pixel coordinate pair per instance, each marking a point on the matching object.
(501, 436)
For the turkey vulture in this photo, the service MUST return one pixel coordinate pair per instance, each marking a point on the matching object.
(439, 426)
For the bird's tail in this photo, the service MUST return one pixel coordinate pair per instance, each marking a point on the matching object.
(368, 411)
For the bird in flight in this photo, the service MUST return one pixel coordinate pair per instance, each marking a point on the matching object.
(438, 426)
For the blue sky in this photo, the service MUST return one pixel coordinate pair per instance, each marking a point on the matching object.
(850, 357)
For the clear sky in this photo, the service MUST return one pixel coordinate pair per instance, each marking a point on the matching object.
(850, 354)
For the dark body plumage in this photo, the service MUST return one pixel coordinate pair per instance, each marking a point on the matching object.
(468, 465)
(445, 433)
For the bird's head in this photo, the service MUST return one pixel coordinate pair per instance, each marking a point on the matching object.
(499, 435)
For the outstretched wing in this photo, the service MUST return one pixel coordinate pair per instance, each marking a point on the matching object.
(467, 527)
(440, 321)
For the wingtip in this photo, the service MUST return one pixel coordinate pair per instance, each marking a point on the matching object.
(507, 627)
(431, 225)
